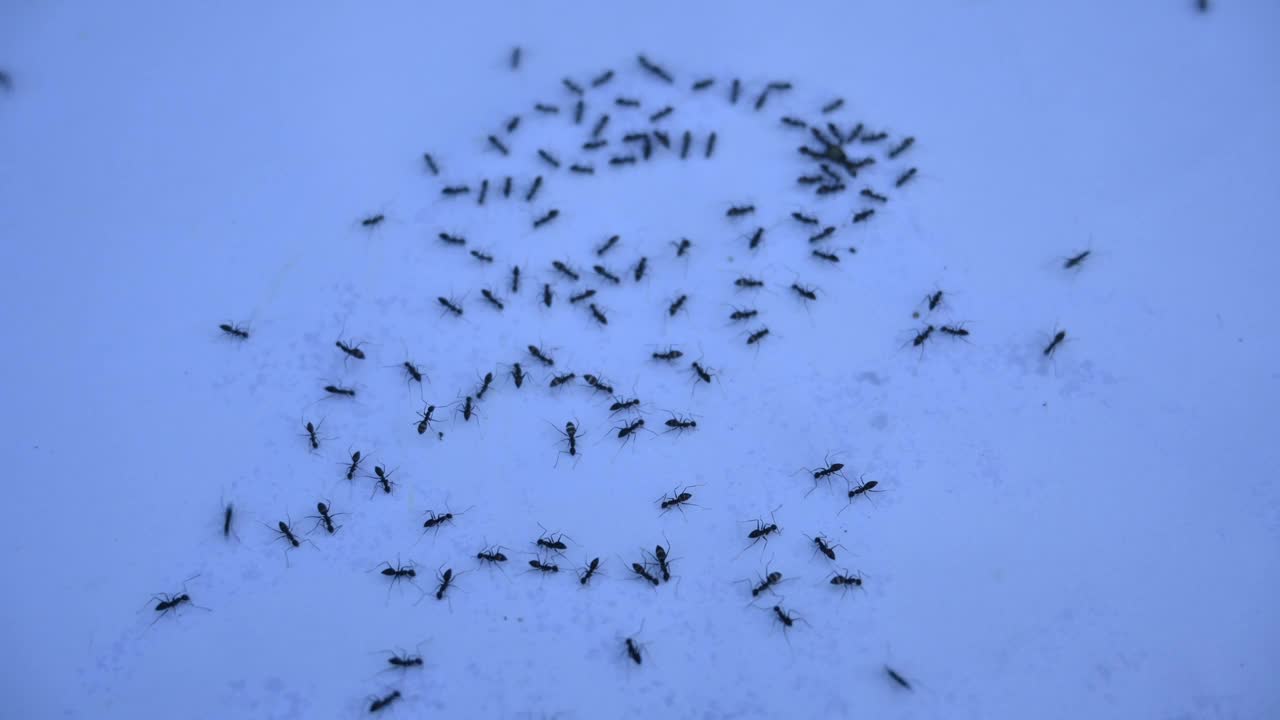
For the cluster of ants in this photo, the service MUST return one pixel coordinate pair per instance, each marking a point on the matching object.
(836, 156)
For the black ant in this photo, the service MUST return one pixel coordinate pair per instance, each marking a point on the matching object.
(285, 530)
(383, 479)
(763, 97)
(623, 404)
(482, 257)
(845, 581)
(629, 428)
(633, 651)
(682, 247)
(533, 189)
(863, 215)
(766, 584)
(826, 233)
(484, 385)
(794, 122)
(757, 336)
(824, 255)
(584, 577)
(602, 78)
(904, 177)
(434, 520)
(661, 555)
(675, 306)
(604, 273)
(571, 435)
(351, 350)
(661, 114)
(517, 374)
(748, 283)
(431, 163)
(551, 541)
(677, 500)
(515, 57)
(565, 270)
(452, 190)
(498, 145)
(484, 191)
(468, 409)
(166, 603)
(373, 220)
(492, 555)
(506, 187)
(599, 315)
(825, 547)
(804, 219)
(405, 661)
(830, 188)
(325, 517)
(654, 69)
(1073, 261)
(559, 380)
(622, 160)
(226, 520)
(446, 579)
(711, 145)
(599, 127)
(756, 238)
(787, 618)
(356, 458)
(874, 137)
(680, 424)
(862, 489)
(339, 390)
(540, 355)
(734, 91)
(1057, 340)
(832, 106)
(450, 306)
(640, 268)
(412, 371)
(934, 300)
(626, 102)
(809, 179)
(740, 210)
(382, 702)
(921, 336)
(551, 215)
(311, 436)
(598, 384)
(763, 530)
(547, 109)
(902, 147)
(872, 194)
(703, 84)
(954, 331)
(608, 245)
(549, 158)
(515, 278)
(685, 141)
(513, 123)
(424, 422)
(545, 567)
(893, 673)
(584, 295)
(663, 138)
(700, 371)
(642, 571)
(492, 299)
(546, 294)
(572, 86)
(582, 169)
(234, 331)
(668, 355)
(739, 315)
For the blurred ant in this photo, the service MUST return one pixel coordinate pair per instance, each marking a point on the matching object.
(643, 572)
(823, 255)
(820, 236)
(633, 651)
(425, 420)
(654, 69)
(339, 390)
(235, 331)
(832, 106)
(226, 521)
(452, 190)
(584, 295)
(599, 315)
(546, 294)
(757, 336)
(551, 215)
(804, 219)
(515, 278)
(412, 371)
(893, 674)
(582, 169)
(533, 189)
(379, 703)
(756, 237)
(734, 91)
(830, 189)
(748, 283)
(902, 147)
(540, 355)
(872, 194)
(599, 128)
(373, 220)
(682, 247)
(874, 137)
(808, 293)
(740, 210)
(590, 570)
(598, 384)
(668, 355)
(622, 160)
(506, 187)
(549, 158)
(431, 163)
(565, 270)
(1057, 340)
(922, 336)
(934, 300)
(701, 372)
(663, 138)
(604, 273)
(351, 350)
(484, 385)
(685, 141)
(711, 145)
(517, 375)
(498, 145)
(640, 268)
(482, 257)
(544, 567)
(703, 84)
(404, 661)
(558, 380)
(382, 480)
(608, 245)
(626, 102)
(484, 191)
(515, 58)
(956, 331)
(904, 177)
(573, 87)
(794, 122)
(675, 306)
(492, 299)
(1071, 262)
(863, 215)
(739, 315)
(602, 78)
(661, 114)
(513, 123)
(450, 306)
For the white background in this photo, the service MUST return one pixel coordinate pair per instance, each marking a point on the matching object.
(1094, 535)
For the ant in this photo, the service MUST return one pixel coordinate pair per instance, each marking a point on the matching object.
(339, 390)
(823, 255)
(804, 219)
(762, 530)
(540, 355)
(608, 245)
(517, 374)
(921, 336)
(573, 87)
(934, 300)
(680, 424)
(468, 409)
(559, 380)
(700, 371)
(382, 702)
(492, 555)
(405, 661)
(654, 69)
(546, 294)
(622, 160)
(640, 268)
(413, 371)
(677, 500)
(831, 189)
(766, 584)
(234, 331)
(599, 128)
(738, 314)
(226, 520)
(598, 384)
(872, 194)
(446, 579)
(166, 603)
(627, 429)
(602, 78)
(862, 489)
(565, 270)
(325, 517)
(675, 306)
(626, 102)
(506, 187)
(484, 191)
(547, 109)
(661, 555)
(711, 145)
(373, 220)
(734, 91)
(902, 147)
(1073, 261)
(584, 577)
(826, 472)
(1057, 340)
(584, 295)
(451, 190)
(498, 145)
(756, 237)
(431, 163)
(954, 331)
(351, 350)
(661, 114)
(515, 58)
(874, 137)
(551, 215)
(515, 278)
(893, 673)
(285, 530)
(450, 306)
(545, 567)
(904, 177)
(669, 355)
(383, 479)
(787, 618)
(513, 123)
(582, 169)
(845, 581)
(533, 189)
(423, 423)
(355, 459)
(551, 541)
(484, 385)
(794, 122)
(599, 315)
(624, 404)
(864, 215)
(492, 299)
(549, 158)
(604, 273)
(685, 141)
(809, 180)
(311, 435)
(825, 547)
(757, 336)
(820, 236)
(633, 651)
(642, 571)
(482, 257)
(571, 435)
(434, 521)
(663, 138)
(682, 247)
(703, 84)
(398, 573)
(832, 106)
(749, 283)
(740, 210)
